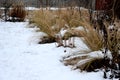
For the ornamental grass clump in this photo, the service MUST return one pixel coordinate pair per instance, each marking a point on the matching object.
(45, 20)
(107, 42)
(18, 12)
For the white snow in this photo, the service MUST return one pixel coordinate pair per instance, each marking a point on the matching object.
(21, 58)
(31, 8)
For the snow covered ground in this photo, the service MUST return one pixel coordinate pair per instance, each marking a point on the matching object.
(21, 58)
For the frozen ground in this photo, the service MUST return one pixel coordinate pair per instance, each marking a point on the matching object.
(21, 58)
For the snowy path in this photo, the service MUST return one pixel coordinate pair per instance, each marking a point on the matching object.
(22, 59)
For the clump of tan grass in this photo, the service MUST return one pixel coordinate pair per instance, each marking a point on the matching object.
(46, 21)
(95, 42)
(18, 11)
